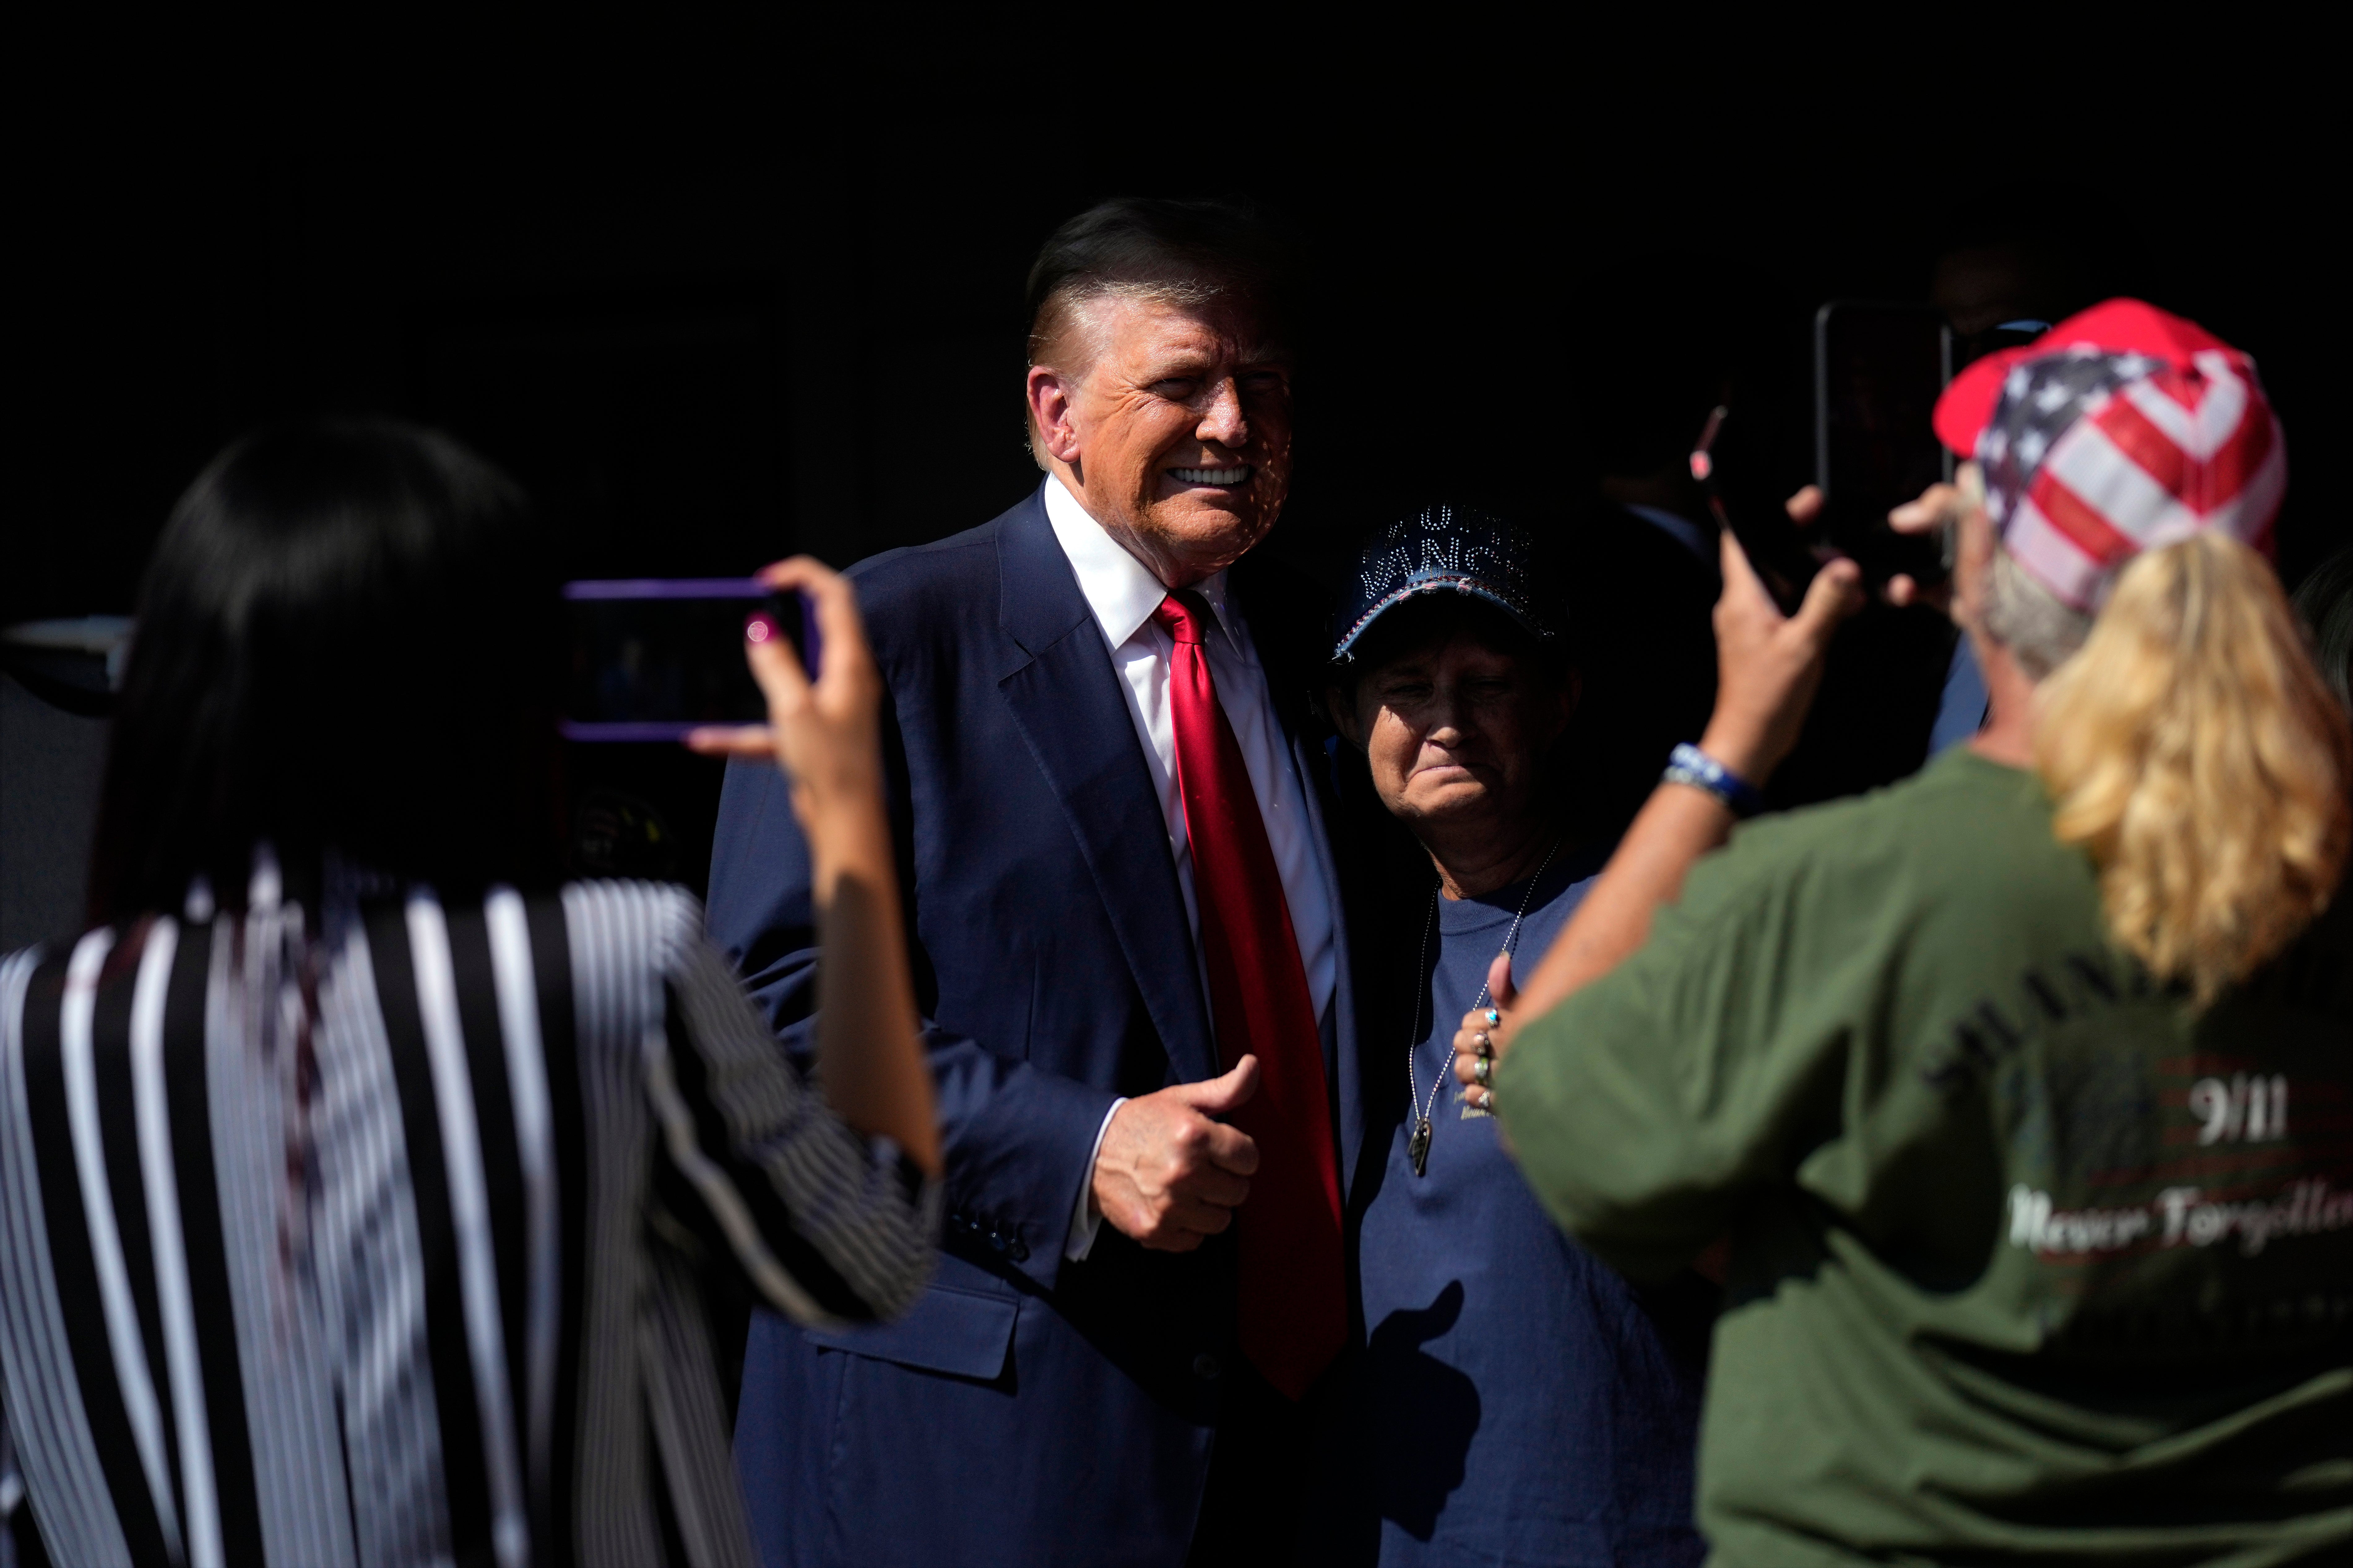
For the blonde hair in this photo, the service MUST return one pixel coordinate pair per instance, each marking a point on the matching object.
(2193, 750)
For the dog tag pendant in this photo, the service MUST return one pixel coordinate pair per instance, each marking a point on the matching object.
(1418, 1146)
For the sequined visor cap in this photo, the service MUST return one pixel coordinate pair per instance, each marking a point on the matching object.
(1447, 549)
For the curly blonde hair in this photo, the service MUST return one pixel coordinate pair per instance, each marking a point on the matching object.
(2192, 748)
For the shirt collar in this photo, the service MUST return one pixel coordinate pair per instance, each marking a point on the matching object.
(1119, 588)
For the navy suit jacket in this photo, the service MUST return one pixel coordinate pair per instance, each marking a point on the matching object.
(1028, 1410)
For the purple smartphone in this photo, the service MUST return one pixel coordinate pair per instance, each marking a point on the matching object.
(653, 658)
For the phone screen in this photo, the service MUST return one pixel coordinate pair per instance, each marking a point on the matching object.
(1878, 371)
(654, 658)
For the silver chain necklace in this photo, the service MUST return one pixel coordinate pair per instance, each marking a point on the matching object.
(1418, 1146)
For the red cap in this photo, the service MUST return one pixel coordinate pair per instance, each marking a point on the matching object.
(2120, 430)
(2113, 327)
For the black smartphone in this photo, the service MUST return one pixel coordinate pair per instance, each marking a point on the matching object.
(1878, 371)
(653, 658)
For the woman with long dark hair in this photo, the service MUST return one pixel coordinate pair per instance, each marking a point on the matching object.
(357, 1173)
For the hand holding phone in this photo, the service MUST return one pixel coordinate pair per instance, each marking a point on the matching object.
(1769, 661)
(824, 730)
(823, 697)
(790, 614)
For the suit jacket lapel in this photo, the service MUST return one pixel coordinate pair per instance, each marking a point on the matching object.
(1066, 700)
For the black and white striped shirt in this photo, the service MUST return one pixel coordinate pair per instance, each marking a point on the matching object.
(379, 1245)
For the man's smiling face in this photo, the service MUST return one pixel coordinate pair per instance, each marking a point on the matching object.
(1176, 437)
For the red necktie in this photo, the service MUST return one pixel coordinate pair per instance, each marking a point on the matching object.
(1294, 1314)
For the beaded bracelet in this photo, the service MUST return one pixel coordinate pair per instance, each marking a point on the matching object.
(1687, 764)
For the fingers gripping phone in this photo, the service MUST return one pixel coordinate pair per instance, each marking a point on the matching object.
(1878, 371)
(654, 658)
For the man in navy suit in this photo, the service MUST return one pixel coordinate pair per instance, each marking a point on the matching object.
(1126, 921)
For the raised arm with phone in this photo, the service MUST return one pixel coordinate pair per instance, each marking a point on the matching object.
(822, 730)
(1769, 664)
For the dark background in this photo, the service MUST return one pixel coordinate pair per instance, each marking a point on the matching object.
(717, 297)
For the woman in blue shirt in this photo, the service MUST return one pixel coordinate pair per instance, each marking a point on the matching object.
(1520, 1403)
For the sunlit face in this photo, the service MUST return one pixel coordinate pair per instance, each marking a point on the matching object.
(1454, 730)
(1177, 437)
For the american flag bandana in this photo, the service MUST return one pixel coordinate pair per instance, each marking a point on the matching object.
(2121, 429)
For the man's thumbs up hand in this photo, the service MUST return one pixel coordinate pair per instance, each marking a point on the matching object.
(1169, 1173)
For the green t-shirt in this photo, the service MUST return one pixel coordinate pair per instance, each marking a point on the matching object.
(2031, 1261)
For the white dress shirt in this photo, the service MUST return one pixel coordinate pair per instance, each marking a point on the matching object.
(1124, 593)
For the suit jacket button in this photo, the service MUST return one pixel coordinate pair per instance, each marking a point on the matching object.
(1206, 1365)
(997, 1240)
(1018, 1250)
